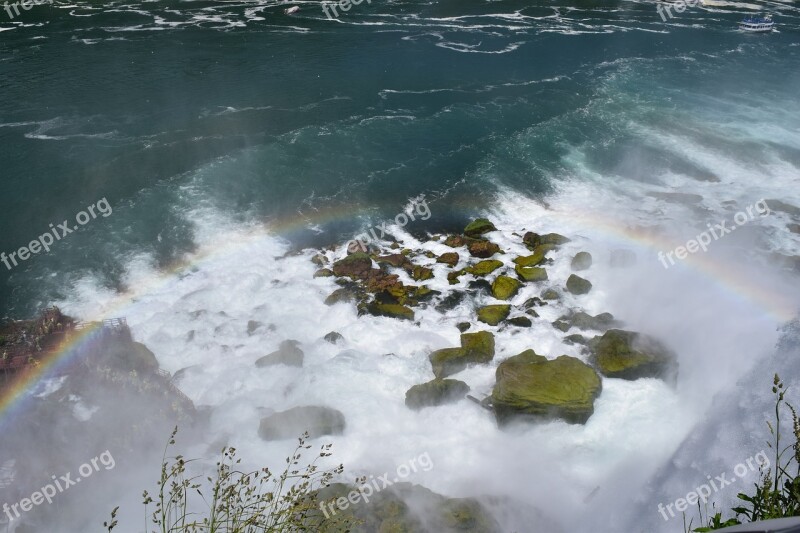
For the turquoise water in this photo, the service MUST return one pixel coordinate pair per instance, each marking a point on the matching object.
(270, 117)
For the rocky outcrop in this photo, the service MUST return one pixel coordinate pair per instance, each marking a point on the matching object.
(436, 392)
(290, 424)
(529, 386)
(630, 355)
(354, 266)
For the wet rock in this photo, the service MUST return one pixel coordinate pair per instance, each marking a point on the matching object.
(452, 277)
(421, 273)
(575, 338)
(538, 257)
(504, 288)
(532, 240)
(395, 260)
(581, 261)
(448, 258)
(290, 424)
(482, 268)
(390, 310)
(354, 266)
(253, 325)
(584, 321)
(794, 228)
(436, 392)
(551, 294)
(483, 249)
(480, 286)
(533, 302)
(520, 321)
(451, 301)
(578, 285)
(493, 314)
(323, 273)
(531, 274)
(630, 355)
(463, 326)
(531, 386)
(333, 337)
(478, 227)
(778, 205)
(287, 354)
(341, 295)
(456, 241)
(475, 348)
(319, 260)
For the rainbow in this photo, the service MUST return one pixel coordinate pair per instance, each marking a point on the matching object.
(776, 304)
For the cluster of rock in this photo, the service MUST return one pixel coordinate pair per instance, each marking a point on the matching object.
(528, 385)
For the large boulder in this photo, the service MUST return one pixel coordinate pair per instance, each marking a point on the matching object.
(355, 266)
(478, 227)
(529, 386)
(436, 392)
(290, 424)
(532, 240)
(475, 348)
(630, 355)
(504, 288)
(287, 354)
(448, 258)
(493, 314)
(578, 285)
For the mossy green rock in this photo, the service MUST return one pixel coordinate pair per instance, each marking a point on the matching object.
(578, 285)
(581, 261)
(436, 392)
(475, 348)
(531, 274)
(478, 227)
(531, 386)
(421, 273)
(356, 266)
(323, 273)
(493, 314)
(482, 268)
(504, 288)
(630, 355)
(390, 310)
(532, 240)
(448, 258)
(538, 256)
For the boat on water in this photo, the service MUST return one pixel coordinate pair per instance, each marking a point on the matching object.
(757, 24)
(291, 10)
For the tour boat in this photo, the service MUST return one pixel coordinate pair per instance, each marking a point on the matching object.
(757, 24)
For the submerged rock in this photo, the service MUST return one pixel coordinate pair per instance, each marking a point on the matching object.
(287, 354)
(344, 294)
(630, 355)
(551, 294)
(290, 424)
(578, 285)
(581, 261)
(436, 392)
(493, 314)
(333, 337)
(478, 227)
(504, 288)
(531, 386)
(475, 348)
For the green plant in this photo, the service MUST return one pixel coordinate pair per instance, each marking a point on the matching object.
(777, 494)
(233, 501)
